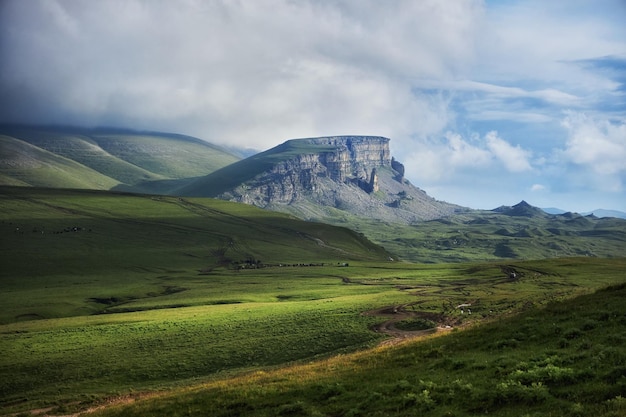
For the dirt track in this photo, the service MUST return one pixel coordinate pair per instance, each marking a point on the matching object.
(395, 314)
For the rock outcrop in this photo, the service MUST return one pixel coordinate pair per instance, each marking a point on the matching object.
(355, 174)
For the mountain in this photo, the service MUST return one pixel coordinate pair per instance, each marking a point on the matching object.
(553, 210)
(520, 231)
(521, 209)
(325, 177)
(597, 212)
(104, 158)
(607, 213)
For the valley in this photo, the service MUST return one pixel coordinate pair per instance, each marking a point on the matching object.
(113, 294)
(337, 289)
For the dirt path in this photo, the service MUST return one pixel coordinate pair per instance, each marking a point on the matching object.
(395, 314)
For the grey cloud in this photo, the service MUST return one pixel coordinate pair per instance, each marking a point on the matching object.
(244, 72)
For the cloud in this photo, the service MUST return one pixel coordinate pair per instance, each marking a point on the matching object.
(594, 155)
(597, 144)
(437, 77)
(486, 156)
(538, 188)
(246, 73)
(514, 158)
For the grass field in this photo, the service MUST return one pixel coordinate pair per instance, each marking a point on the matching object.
(107, 294)
(566, 359)
(483, 235)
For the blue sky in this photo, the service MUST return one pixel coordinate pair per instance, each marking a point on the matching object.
(486, 103)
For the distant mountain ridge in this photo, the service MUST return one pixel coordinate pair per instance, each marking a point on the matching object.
(315, 178)
(597, 212)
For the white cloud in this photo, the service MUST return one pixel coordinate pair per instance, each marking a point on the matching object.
(523, 117)
(596, 143)
(255, 73)
(514, 158)
(538, 188)
(445, 159)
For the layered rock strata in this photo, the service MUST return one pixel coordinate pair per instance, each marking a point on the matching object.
(355, 174)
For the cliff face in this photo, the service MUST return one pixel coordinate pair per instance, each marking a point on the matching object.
(343, 159)
(350, 173)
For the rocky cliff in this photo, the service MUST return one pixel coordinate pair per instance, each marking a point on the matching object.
(342, 159)
(315, 177)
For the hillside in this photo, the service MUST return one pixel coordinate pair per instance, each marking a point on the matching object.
(569, 365)
(106, 294)
(321, 178)
(508, 232)
(66, 233)
(348, 181)
(104, 158)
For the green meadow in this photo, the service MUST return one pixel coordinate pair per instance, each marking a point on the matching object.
(564, 359)
(213, 307)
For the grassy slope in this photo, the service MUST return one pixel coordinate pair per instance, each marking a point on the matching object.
(130, 158)
(25, 164)
(566, 359)
(172, 156)
(154, 240)
(235, 174)
(485, 235)
(177, 314)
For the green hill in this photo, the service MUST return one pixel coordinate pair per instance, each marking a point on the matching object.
(110, 294)
(233, 175)
(26, 164)
(513, 233)
(138, 161)
(563, 360)
(101, 240)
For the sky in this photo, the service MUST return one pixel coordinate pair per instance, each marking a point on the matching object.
(486, 103)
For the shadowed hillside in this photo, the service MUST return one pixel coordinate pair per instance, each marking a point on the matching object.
(104, 158)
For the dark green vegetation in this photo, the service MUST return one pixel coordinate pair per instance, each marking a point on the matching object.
(107, 294)
(87, 244)
(104, 158)
(565, 359)
(517, 232)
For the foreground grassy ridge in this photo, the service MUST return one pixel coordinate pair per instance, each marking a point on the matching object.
(565, 359)
(276, 316)
(103, 294)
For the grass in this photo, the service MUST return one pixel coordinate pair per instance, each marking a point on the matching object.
(514, 367)
(233, 175)
(30, 165)
(107, 294)
(104, 158)
(486, 235)
(85, 246)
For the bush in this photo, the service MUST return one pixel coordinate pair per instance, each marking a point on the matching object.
(510, 391)
(549, 374)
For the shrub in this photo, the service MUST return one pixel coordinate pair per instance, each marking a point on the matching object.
(510, 391)
(422, 401)
(549, 374)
